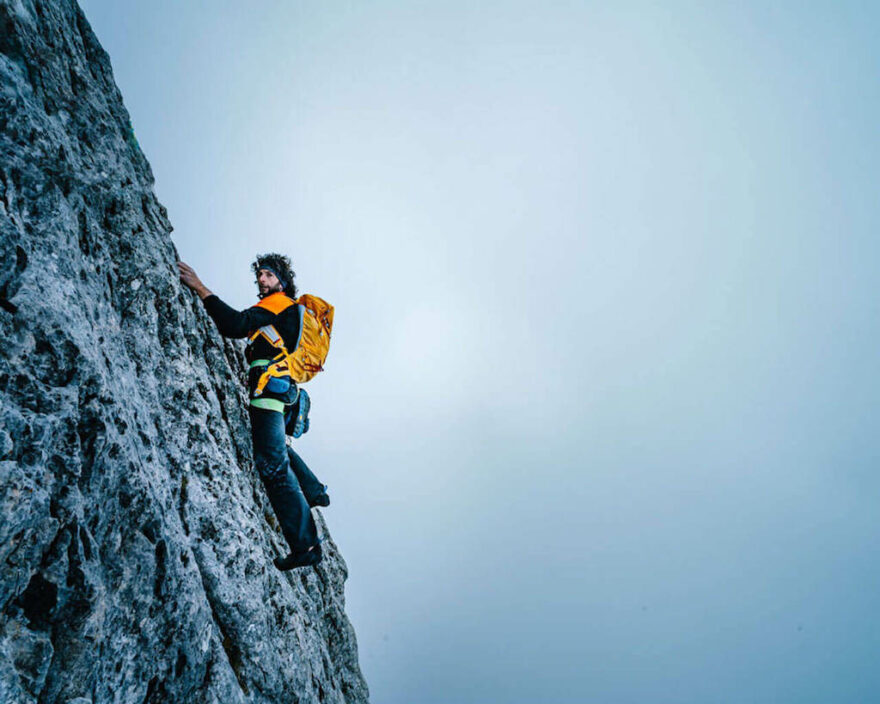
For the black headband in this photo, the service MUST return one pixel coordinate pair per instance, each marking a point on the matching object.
(278, 276)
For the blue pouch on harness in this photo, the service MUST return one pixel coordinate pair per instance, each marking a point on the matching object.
(278, 385)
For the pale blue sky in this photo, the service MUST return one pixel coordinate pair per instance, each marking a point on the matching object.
(599, 420)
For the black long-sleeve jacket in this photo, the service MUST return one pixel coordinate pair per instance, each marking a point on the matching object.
(276, 310)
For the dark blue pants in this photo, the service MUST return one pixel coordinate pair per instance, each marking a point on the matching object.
(272, 462)
(308, 482)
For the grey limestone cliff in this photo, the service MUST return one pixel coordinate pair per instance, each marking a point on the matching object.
(136, 542)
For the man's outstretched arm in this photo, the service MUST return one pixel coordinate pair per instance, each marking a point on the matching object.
(230, 322)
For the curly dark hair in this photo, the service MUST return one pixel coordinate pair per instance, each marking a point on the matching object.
(280, 266)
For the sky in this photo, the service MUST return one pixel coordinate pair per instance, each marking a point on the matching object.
(599, 417)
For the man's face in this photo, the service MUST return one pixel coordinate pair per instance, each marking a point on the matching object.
(267, 282)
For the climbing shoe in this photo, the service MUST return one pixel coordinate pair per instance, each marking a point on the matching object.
(320, 500)
(300, 559)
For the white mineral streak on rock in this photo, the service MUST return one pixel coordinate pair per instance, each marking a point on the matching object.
(135, 553)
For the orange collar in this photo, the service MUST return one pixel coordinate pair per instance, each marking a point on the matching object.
(276, 302)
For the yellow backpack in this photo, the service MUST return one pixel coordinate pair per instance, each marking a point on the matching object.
(314, 341)
(316, 325)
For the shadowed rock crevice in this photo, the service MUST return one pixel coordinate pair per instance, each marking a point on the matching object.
(135, 552)
(38, 601)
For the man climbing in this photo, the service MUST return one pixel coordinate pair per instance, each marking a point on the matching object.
(274, 321)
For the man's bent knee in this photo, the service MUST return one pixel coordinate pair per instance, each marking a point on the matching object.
(271, 470)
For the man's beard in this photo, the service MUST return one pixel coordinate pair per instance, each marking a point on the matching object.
(269, 291)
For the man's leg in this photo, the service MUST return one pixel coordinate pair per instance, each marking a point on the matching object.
(315, 492)
(285, 495)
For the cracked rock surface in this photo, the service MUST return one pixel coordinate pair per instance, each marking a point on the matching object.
(136, 541)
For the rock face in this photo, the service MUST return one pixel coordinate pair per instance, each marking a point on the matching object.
(136, 541)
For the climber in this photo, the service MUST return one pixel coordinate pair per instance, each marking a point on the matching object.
(274, 319)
